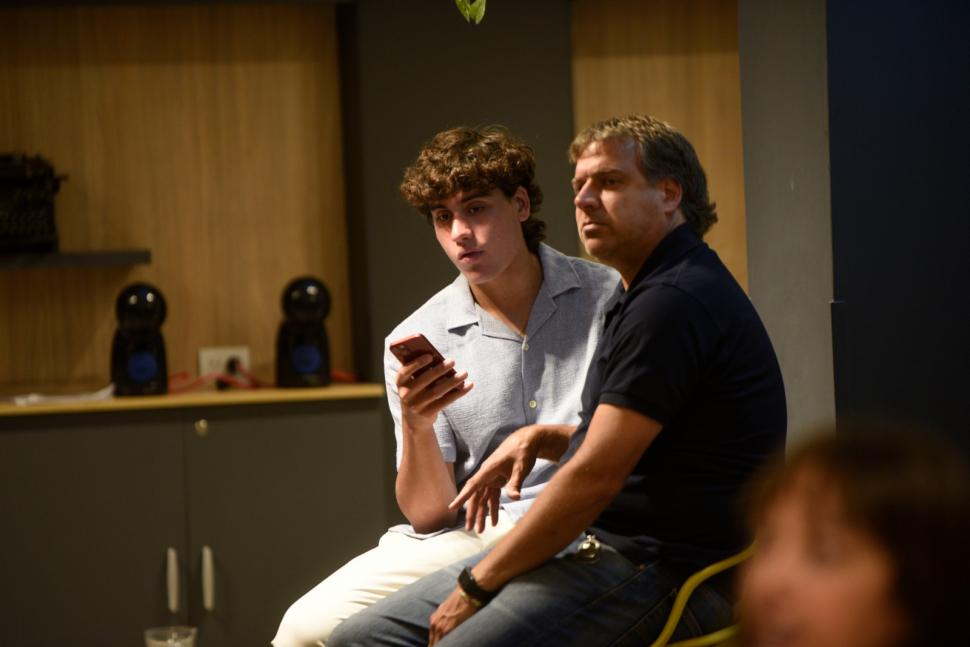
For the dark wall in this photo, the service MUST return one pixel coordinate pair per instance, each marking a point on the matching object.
(899, 100)
(415, 68)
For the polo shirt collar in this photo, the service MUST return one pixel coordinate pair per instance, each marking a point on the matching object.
(459, 304)
(558, 276)
(670, 250)
(558, 273)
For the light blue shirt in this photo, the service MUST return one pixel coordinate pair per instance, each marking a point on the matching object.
(519, 380)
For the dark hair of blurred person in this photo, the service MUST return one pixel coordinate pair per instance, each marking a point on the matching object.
(861, 540)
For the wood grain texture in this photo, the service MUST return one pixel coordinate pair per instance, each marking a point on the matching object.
(210, 134)
(676, 60)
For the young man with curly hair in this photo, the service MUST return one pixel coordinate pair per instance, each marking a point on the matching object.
(520, 319)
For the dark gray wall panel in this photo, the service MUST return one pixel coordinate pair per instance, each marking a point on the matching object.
(786, 178)
(413, 69)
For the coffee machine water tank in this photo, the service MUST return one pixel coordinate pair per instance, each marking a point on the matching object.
(138, 363)
(302, 349)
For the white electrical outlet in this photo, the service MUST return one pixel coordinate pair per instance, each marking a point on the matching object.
(213, 359)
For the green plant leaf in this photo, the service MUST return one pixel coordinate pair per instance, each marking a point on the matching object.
(465, 9)
(478, 9)
(473, 10)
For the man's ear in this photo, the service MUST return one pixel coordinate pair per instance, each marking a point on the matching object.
(523, 206)
(673, 194)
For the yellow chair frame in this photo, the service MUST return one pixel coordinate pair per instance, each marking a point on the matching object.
(680, 603)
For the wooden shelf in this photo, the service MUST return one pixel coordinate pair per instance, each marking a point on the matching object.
(76, 259)
(199, 399)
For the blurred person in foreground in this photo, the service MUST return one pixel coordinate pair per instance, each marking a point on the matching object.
(861, 542)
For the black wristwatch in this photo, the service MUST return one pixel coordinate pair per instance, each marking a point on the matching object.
(471, 591)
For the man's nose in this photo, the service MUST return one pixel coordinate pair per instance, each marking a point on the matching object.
(586, 198)
(460, 229)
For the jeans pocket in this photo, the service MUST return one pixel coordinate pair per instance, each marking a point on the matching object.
(648, 626)
(638, 566)
(706, 611)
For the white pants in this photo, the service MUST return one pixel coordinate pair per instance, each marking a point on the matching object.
(397, 561)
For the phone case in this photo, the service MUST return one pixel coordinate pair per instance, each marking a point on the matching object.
(412, 347)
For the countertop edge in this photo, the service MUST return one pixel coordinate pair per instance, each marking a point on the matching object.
(203, 399)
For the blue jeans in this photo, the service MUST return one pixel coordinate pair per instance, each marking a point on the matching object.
(562, 602)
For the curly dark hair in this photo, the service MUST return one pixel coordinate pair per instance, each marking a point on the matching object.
(662, 152)
(910, 489)
(475, 159)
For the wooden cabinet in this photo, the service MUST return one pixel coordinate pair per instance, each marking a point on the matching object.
(279, 495)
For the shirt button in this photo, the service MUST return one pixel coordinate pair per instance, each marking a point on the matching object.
(533, 404)
(525, 346)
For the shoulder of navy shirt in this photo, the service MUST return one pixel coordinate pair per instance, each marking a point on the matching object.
(684, 345)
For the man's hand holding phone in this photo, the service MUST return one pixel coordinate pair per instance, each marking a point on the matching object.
(426, 382)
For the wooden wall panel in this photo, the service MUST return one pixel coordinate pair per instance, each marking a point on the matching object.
(209, 134)
(676, 60)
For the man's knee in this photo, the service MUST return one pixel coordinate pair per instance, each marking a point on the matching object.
(356, 630)
(301, 627)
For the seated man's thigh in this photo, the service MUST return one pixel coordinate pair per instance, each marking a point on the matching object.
(571, 602)
(565, 601)
(403, 618)
(398, 560)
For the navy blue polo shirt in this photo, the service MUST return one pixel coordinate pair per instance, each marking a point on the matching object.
(684, 346)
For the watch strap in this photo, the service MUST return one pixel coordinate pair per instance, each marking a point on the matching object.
(472, 591)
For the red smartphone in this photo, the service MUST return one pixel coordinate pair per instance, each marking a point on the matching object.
(412, 347)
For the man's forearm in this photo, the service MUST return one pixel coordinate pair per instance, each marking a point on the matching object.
(576, 495)
(554, 441)
(425, 482)
(571, 501)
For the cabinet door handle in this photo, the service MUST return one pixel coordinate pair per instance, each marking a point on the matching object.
(208, 580)
(172, 579)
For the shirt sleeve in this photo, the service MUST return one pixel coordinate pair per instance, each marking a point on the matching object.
(658, 354)
(443, 432)
(391, 366)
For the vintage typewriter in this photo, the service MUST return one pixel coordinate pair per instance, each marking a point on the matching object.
(27, 189)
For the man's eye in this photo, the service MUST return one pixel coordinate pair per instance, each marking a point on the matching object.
(442, 217)
(476, 208)
(611, 181)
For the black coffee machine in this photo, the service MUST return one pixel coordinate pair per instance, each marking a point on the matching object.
(302, 349)
(138, 364)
